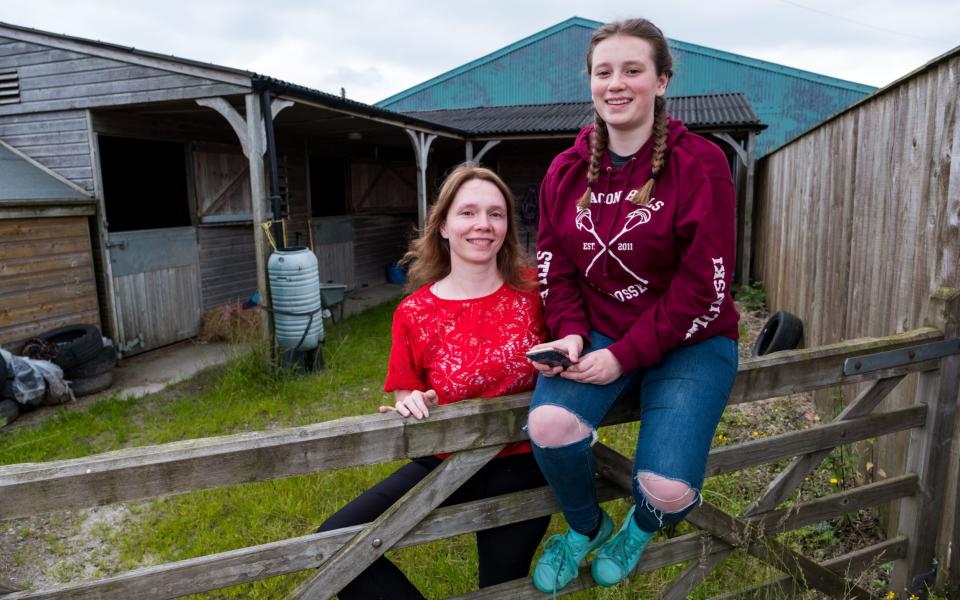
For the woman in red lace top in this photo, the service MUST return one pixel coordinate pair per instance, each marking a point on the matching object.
(461, 334)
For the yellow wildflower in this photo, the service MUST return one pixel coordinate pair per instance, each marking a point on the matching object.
(891, 595)
(834, 481)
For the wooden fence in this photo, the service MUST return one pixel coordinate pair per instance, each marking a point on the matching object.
(476, 430)
(858, 220)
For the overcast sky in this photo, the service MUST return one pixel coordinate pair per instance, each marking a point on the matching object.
(375, 48)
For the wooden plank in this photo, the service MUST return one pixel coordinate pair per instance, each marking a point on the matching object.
(244, 565)
(213, 462)
(62, 288)
(683, 585)
(28, 140)
(793, 371)
(734, 458)
(14, 316)
(17, 231)
(790, 478)
(136, 97)
(40, 152)
(75, 79)
(26, 265)
(736, 532)
(381, 535)
(152, 471)
(849, 564)
(836, 505)
(71, 66)
(47, 210)
(35, 58)
(71, 272)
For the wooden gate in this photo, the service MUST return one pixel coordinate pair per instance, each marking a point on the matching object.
(476, 430)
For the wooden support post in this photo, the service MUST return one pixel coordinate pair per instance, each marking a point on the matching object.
(928, 456)
(250, 133)
(748, 210)
(390, 527)
(421, 150)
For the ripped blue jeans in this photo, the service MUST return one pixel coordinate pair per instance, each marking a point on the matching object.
(681, 401)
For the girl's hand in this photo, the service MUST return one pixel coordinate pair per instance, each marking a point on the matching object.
(413, 402)
(573, 344)
(599, 368)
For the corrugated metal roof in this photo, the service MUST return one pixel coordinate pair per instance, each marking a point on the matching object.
(548, 68)
(23, 181)
(717, 111)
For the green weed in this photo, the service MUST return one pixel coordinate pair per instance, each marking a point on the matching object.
(753, 297)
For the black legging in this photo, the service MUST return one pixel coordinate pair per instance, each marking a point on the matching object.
(505, 552)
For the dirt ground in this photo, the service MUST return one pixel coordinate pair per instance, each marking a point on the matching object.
(50, 550)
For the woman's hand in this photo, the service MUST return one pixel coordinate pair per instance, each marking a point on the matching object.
(599, 368)
(572, 344)
(412, 402)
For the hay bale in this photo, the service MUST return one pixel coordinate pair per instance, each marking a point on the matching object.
(230, 323)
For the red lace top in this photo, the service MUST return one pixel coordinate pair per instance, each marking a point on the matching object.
(466, 348)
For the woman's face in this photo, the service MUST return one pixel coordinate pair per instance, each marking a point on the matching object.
(476, 224)
(624, 82)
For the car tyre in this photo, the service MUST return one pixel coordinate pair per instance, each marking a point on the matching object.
(782, 331)
(9, 411)
(77, 344)
(91, 385)
(105, 360)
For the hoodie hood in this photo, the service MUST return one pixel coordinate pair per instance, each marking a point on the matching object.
(675, 130)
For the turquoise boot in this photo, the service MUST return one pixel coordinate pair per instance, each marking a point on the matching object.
(563, 555)
(620, 555)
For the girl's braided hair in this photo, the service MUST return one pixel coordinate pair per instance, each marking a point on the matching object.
(663, 61)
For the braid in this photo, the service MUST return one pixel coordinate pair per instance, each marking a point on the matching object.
(598, 145)
(660, 120)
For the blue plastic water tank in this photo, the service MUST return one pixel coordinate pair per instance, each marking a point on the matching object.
(295, 292)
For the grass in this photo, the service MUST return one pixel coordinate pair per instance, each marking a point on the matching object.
(245, 395)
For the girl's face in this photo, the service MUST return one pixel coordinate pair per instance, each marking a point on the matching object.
(476, 224)
(624, 82)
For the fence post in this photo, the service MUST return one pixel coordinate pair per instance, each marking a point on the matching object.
(929, 456)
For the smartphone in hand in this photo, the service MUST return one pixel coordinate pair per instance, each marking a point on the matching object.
(552, 357)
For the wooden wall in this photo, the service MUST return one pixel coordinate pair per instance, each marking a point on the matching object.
(58, 140)
(228, 266)
(858, 221)
(379, 240)
(55, 78)
(46, 277)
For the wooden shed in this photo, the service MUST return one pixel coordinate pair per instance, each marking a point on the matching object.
(172, 153)
(46, 258)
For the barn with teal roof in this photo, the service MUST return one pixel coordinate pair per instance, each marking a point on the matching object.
(548, 67)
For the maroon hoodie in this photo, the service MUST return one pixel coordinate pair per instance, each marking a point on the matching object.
(651, 277)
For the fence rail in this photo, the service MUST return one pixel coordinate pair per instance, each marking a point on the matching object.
(475, 430)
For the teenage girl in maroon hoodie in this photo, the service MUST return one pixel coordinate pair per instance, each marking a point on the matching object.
(635, 253)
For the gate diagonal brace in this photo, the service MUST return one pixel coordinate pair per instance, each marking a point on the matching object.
(737, 532)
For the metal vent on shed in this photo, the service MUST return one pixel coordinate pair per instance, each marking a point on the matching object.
(9, 87)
